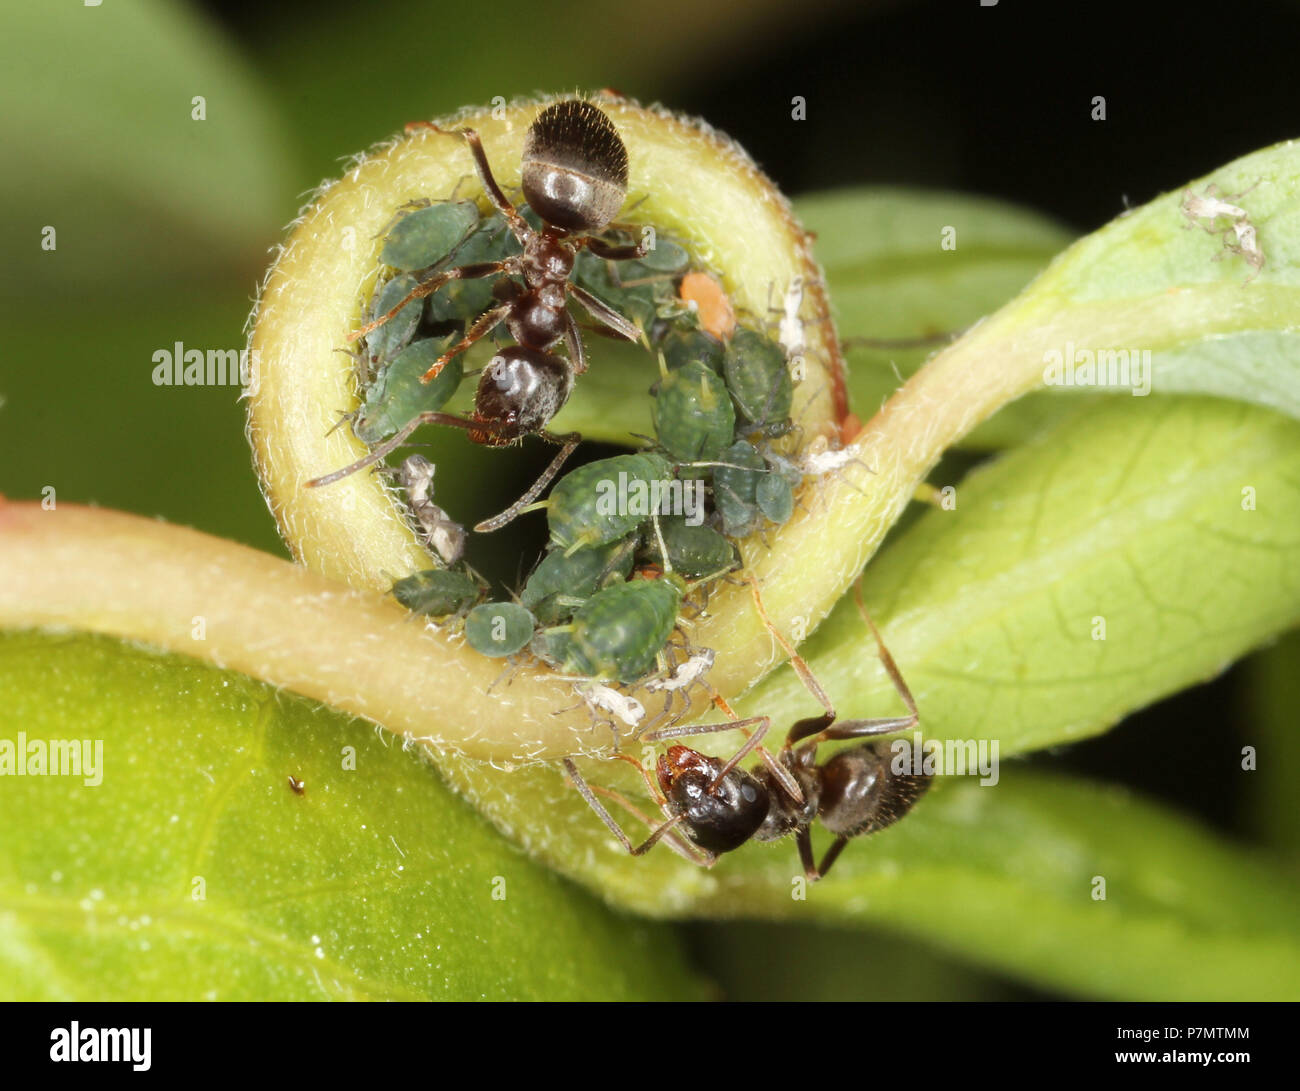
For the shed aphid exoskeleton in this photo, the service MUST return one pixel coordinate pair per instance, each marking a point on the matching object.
(1209, 206)
(442, 534)
(1242, 240)
(790, 330)
(685, 674)
(623, 706)
(1240, 237)
(679, 679)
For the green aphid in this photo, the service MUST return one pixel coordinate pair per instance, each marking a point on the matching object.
(666, 258)
(759, 381)
(463, 301)
(397, 397)
(437, 592)
(498, 629)
(735, 488)
(619, 632)
(551, 645)
(694, 419)
(693, 551)
(686, 346)
(426, 236)
(385, 342)
(562, 583)
(606, 500)
(775, 497)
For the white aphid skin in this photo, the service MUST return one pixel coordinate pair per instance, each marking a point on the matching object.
(606, 699)
(790, 330)
(1207, 206)
(1239, 237)
(687, 674)
(1246, 245)
(819, 463)
(442, 534)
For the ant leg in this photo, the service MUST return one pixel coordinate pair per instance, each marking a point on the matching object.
(398, 438)
(483, 325)
(517, 223)
(884, 724)
(672, 840)
(858, 729)
(573, 339)
(432, 284)
(779, 771)
(832, 854)
(803, 838)
(570, 443)
(603, 313)
(589, 795)
(803, 728)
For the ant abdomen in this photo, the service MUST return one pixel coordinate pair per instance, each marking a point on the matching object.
(574, 167)
(520, 390)
(860, 792)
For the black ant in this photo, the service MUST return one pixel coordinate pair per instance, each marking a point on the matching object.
(720, 807)
(574, 177)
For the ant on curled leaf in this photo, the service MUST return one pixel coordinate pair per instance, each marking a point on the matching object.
(574, 177)
(712, 806)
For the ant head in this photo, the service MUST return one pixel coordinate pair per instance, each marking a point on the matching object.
(574, 167)
(717, 820)
(519, 392)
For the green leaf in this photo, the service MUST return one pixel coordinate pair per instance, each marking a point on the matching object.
(1007, 875)
(1167, 526)
(129, 180)
(1272, 698)
(374, 883)
(1153, 280)
(891, 278)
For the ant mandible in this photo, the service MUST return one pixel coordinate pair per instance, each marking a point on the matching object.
(574, 177)
(720, 807)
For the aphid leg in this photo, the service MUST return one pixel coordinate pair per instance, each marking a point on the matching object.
(431, 284)
(483, 325)
(661, 832)
(569, 444)
(603, 313)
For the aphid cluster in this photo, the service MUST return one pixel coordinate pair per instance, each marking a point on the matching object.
(625, 549)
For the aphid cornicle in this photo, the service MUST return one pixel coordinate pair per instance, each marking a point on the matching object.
(718, 807)
(574, 177)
